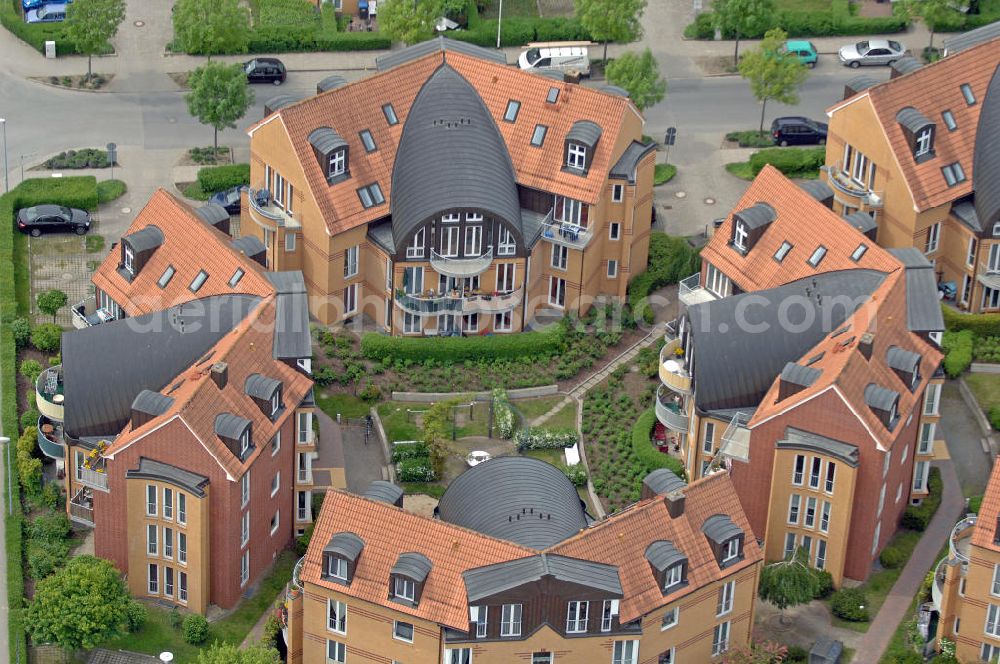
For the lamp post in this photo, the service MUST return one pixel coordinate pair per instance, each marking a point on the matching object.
(499, 22)
(10, 491)
(6, 180)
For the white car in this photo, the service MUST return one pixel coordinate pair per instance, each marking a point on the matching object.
(871, 52)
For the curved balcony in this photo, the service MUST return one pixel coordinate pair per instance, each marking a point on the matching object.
(842, 181)
(49, 393)
(266, 213)
(454, 303)
(961, 536)
(461, 268)
(937, 588)
(670, 410)
(50, 438)
(673, 369)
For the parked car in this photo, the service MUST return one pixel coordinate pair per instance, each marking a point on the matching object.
(265, 70)
(35, 4)
(229, 199)
(51, 218)
(556, 56)
(871, 52)
(805, 51)
(48, 13)
(796, 130)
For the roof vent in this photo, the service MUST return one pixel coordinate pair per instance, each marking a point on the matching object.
(904, 65)
(330, 83)
(858, 84)
(386, 492)
(220, 374)
(661, 482)
(866, 343)
(795, 378)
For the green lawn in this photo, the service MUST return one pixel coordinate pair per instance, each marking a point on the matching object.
(109, 190)
(395, 422)
(479, 424)
(802, 5)
(528, 8)
(985, 387)
(157, 634)
(664, 173)
(555, 457)
(347, 405)
(532, 408)
(565, 418)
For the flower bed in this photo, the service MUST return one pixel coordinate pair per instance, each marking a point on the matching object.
(534, 438)
(503, 415)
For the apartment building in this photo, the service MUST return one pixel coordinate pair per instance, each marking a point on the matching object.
(450, 193)
(918, 155)
(806, 363)
(183, 409)
(514, 569)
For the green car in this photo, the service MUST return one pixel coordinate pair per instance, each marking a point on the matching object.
(804, 50)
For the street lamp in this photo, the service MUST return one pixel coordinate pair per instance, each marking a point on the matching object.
(10, 491)
(499, 22)
(6, 181)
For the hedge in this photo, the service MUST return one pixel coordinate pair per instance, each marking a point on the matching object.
(648, 455)
(916, 517)
(790, 161)
(219, 178)
(806, 24)
(534, 438)
(517, 31)
(520, 346)
(77, 191)
(670, 260)
(982, 325)
(410, 451)
(35, 34)
(958, 348)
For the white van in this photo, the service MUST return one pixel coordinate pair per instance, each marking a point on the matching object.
(556, 56)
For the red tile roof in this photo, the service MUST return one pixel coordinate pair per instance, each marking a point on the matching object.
(989, 512)
(357, 106)
(182, 229)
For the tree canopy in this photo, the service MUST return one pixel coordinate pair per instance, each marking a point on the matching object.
(931, 11)
(611, 20)
(211, 27)
(51, 301)
(639, 75)
(773, 73)
(789, 582)
(408, 21)
(91, 23)
(219, 95)
(227, 653)
(741, 18)
(79, 606)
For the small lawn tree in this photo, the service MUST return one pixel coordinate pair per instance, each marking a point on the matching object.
(51, 301)
(773, 74)
(227, 653)
(788, 583)
(211, 27)
(219, 96)
(91, 23)
(437, 434)
(932, 12)
(742, 18)
(611, 20)
(80, 606)
(408, 21)
(639, 75)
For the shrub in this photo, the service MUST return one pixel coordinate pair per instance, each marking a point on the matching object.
(135, 616)
(808, 24)
(302, 541)
(195, 629)
(975, 502)
(750, 138)
(30, 369)
(892, 557)
(410, 451)
(21, 329)
(175, 616)
(78, 191)
(107, 191)
(981, 325)
(520, 346)
(29, 418)
(958, 351)
(46, 337)
(847, 604)
(503, 415)
(796, 654)
(663, 173)
(577, 474)
(219, 178)
(53, 526)
(790, 161)
(995, 416)
(85, 158)
(416, 470)
(916, 517)
(650, 457)
(534, 438)
(520, 30)
(823, 582)
(370, 393)
(670, 260)
(45, 556)
(51, 497)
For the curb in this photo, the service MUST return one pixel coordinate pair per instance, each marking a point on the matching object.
(973, 405)
(37, 80)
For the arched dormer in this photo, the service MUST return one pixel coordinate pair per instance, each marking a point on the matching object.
(918, 131)
(331, 152)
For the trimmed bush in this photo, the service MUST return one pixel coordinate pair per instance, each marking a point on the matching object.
(135, 616)
(46, 337)
(751, 138)
(958, 348)
(808, 24)
(218, 178)
(649, 456)
(536, 438)
(107, 191)
(995, 417)
(824, 583)
(520, 346)
(847, 604)
(79, 192)
(981, 325)
(916, 517)
(792, 162)
(21, 329)
(576, 474)
(195, 629)
(893, 557)
(75, 159)
(517, 31)
(416, 470)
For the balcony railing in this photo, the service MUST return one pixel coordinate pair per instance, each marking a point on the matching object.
(95, 476)
(49, 393)
(670, 410)
(461, 268)
(304, 476)
(565, 233)
(673, 370)
(50, 438)
(266, 213)
(81, 507)
(690, 291)
(842, 181)
(736, 439)
(455, 303)
(937, 588)
(961, 534)
(86, 313)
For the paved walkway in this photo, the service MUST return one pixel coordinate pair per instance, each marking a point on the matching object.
(897, 605)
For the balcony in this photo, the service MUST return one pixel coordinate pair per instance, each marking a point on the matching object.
(988, 274)
(295, 585)
(81, 507)
(670, 410)
(461, 268)
(842, 181)
(49, 393)
(304, 476)
(94, 471)
(736, 439)
(266, 213)
(961, 536)
(50, 438)
(86, 313)
(673, 371)
(453, 302)
(690, 291)
(565, 233)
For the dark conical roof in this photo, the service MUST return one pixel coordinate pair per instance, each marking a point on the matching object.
(451, 155)
(986, 161)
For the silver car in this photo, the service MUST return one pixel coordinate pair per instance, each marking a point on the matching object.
(871, 52)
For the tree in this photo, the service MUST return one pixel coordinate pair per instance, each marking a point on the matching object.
(219, 96)
(80, 606)
(640, 76)
(742, 18)
(211, 27)
(788, 582)
(227, 653)
(407, 21)
(611, 20)
(773, 74)
(931, 11)
(91, 23)
(51, 301)
(437, 433)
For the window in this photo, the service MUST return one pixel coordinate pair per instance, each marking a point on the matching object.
(478, 615)
(988, 653)
(336, 616)
(666, 657)
(367, 141)
(182, 588)
(244, 442)
(165, 278)
(245, 528)
(168, 542)
(926, 445)
(503, 322)
(513, 107)
(609, 609)
(576, 156)
(789, 545)
(932, 398)
(350, 299)
(920, 476)
(731, 551)
(970, 255)
(807, 544)
(416, 247)
(859, 167)
(798, 470)
(553, 95)
(859, 252)
(576, 617)
(740, 235)
(411, 323)
(949, 120)
(557, 292)
(782, 251)
(817, 256)
(970, 98)
(275, 521)
(670, 618)
(470, 322)
(150, 500)
(991, 298)
(245, 489)
(390, 114)
(278, 190)
(336, 652)
(612, 269)
(510, 620)
(617, 193)
(793, 508)
(403, 588)
(877, 536)
(993, 620)
(569, 210)
(505, 277)
(953, 174)
(402, 631)
(725, 602)
(538, 137)
(275, 483)
(302, 507)
(337, 164)
(824, 517)
(506, 246)
(674, 576)
(244, 568)
(351, 261)
(449, 241)
(614, 231)
(625, 652)
(473, 240)
(817, 463)
(821, 554)
(152, 542)
(276, 443)
(168, 503)
(198, 281)
(924, 141)
(168, 581)
(933, 236)
(336, 567)
(708, 444)
(458, 656)
(153, 580)
(541, 658)
(129, 258)
(720, 639)
(810, 518)
(182, 508)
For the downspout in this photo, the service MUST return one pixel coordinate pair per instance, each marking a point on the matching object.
(524, 298)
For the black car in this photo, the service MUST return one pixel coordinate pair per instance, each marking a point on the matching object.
(794, 130)
(265, 70)
(52, 218)
(229, 199)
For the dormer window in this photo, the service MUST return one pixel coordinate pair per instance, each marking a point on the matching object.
(924, 141)
(668, 564)
(731, 551)
(244, 443)
(576, 156)
(330, 150)
(337, 164)
(407, 577)
(403, 589)
(884, 403)
(725, 539)
(673, 577)
(740, 235)
(266, 393)
(906, 365)
(340, 557)
(128, 258)
(581, 144)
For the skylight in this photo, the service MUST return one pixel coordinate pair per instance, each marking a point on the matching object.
(376, 193)
(513, 107)
(368, 141)
(366, 198)
(953, 174)
(970, 98)
(235, 279)
(782, 251)
(859, 252)
(165, 278)
(817, 256)
(539, 136)
(815, 358)
(949, 120)
(199, 281)
(553, 95)
(390, 114)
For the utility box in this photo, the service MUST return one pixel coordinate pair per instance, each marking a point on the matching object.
(50, 50)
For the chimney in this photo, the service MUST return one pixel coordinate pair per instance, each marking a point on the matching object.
(220, 374)
(675, 504)
(865, 344)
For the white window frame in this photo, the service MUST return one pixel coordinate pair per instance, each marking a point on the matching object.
(992, 626)
(244, 568)
(625, 652)
(821, 554)
(182, 587)
(924, 141)
(336, 616)
(932, 399)
(244, 528)
(740, 235)
(970, 253)
(609, 609)
(815, 468)
(829, 482)
(503, 322)
(824, 516)
(479, 616)
(181, 508)
(276, 483)
(510, 620)
(450, 243)
(506, 245)
(798, 474)
(403, 588)
(708, 443)
(152, 540)
(506, 277)
(577, 616)
(568, 210)
(336, 652)
(673, 576)
(473, 240)
(557, 296)
(153, 579)
(151, 505)
(576, 156)
(168, 543)
(351, 262)
(933, 238)
(182, 548)
(720, 639)
(396, 624)
(168, 504)
(338, 164)
(794, 507)
(351, 299)
(789, 550)
(416, 247)
(244, 442)
(614, 231)
(560, 257)
(724, 604)
(336, 567)
(670, 619)
(276, 442)
(731, 550)
(412, 323)
(129, 258)
(926, 440)
(245, 489)
(458, 655)
(612, 269)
